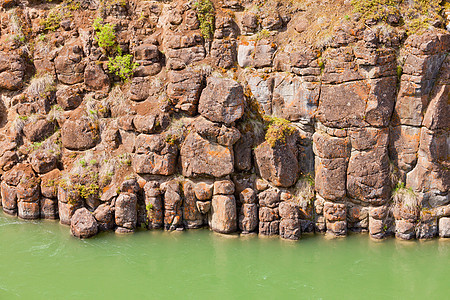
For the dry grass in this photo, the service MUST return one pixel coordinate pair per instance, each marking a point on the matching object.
(405, 198)
(40, 84)
(304, 190)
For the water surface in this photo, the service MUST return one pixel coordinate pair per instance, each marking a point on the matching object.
(40, 260)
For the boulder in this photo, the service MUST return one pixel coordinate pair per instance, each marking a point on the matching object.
(48, 208)
(154, 155)
(28, 210)
(224, 53)
(95, 78)
(266, 214)
(222, 100)
(203, 206)
(70, 64)
(224, 187)
(404, 229)
(39, 130)
(444, 227)
(80, 133)
(269, 198)
(203, 190)
(184, 89)
(335, 216)
(9, 198)
(104, 215)
(368, 168)
(173, 215)
(278, 164)
(290, 229)
(202, 157)
(69, 97)
(248, 196)
(269, 228)
(192, 217)
(83, 224)
(248, 218)
(343, 105)
(126, 213)
(154, 205)
(49, 183)
(43, 161)
(223, 216)
(288, 210)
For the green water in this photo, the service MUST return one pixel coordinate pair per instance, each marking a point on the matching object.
(40, 260)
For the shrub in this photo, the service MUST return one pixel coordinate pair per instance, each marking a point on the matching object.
(122, 66)
(205, 14)
(105, 34)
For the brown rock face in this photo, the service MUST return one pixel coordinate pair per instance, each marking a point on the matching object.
(261, 123)
(48, 208)
(83, 224)
(278, 164)
(154, 155)
(248, 218)
(43, 162)
(70, 64)
(154, 205)
(12, 71)
(223, 218)
(335, 216)
(80, 133)
(9, 198)
(69, 97)
(192, 217)
(202, 157)
(184, 90)
(105, 217)
(126, 214)
(444, 227)
(222, 100)
(95, 78)
(369, 183)
(343, 105)
(39, 130)
(290, 229)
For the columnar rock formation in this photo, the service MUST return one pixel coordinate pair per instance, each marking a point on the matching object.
(268, 117)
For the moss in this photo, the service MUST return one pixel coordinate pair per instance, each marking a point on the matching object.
(58, 13)
(83, 163)
(378, 10)
(263, 34)
(399, 72)
(206, 16)
(278, 130)
(417, 15)
(53, 20)
(87, 190)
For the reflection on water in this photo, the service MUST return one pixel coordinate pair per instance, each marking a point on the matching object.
(40, 260)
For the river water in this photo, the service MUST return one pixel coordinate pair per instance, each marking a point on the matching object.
(41, 260)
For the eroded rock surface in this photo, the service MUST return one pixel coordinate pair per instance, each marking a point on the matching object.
(259, 123)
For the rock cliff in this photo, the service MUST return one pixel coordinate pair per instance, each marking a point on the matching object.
(271, 117)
